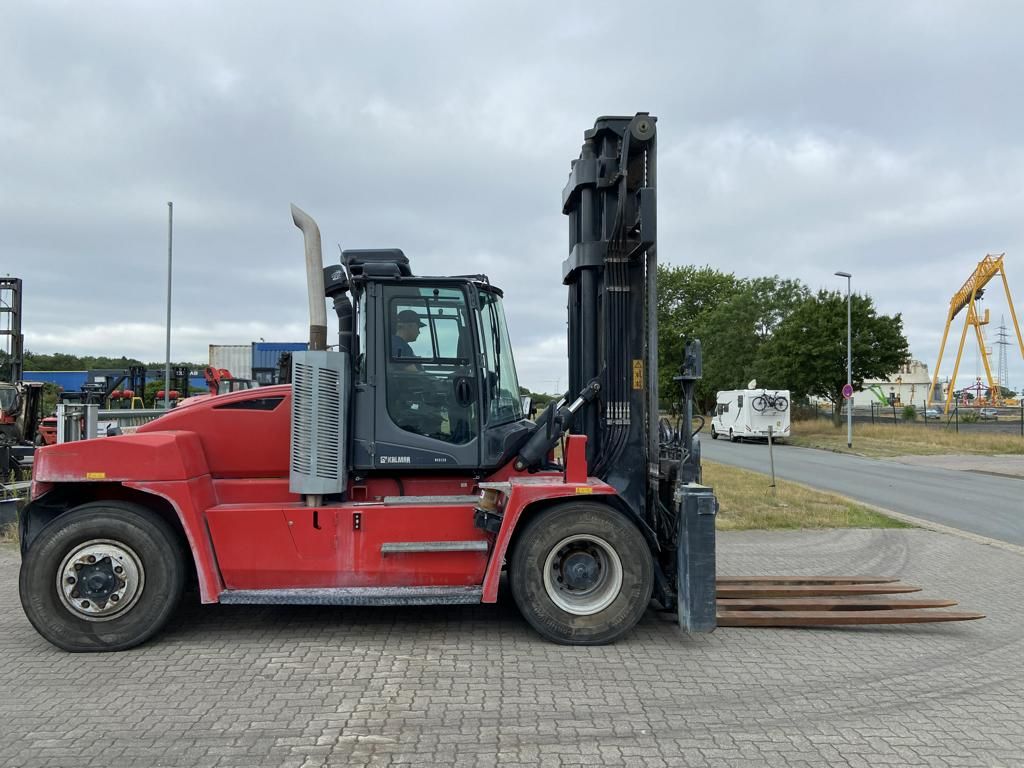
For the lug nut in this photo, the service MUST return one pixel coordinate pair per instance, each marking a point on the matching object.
(114, 598)
(78, 566)
(74, 593)
(118, 569)
(85, 603)
(91, 559)
(72, 579)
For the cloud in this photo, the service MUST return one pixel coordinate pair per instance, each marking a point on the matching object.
(795, 138)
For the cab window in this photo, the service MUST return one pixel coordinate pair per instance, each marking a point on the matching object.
(430, 388)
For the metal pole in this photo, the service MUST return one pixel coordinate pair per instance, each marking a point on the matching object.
(849, 361)
(167, 367)
(849, 366)
(771, 459)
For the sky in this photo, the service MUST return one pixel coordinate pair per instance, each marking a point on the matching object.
(795, 138)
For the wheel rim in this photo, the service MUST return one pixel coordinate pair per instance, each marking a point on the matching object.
(582, 574)
(100, 580)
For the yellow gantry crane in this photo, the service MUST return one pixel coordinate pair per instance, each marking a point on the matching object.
(968, 295)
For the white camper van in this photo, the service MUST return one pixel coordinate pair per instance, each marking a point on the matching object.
(746, 413)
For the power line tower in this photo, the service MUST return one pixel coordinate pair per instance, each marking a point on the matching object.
(1002, 366)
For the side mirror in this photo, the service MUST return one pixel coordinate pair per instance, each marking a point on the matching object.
(528, 409)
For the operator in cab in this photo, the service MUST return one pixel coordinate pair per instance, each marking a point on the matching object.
(407, 330)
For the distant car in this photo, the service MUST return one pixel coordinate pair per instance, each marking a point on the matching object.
(988, 413)
(932, 413)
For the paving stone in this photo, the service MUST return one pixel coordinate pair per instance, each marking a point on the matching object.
(297, 687)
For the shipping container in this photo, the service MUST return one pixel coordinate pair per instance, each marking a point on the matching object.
(236, 358)
(68, 381)
(267, 354)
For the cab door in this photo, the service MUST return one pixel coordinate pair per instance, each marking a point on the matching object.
(426, 392)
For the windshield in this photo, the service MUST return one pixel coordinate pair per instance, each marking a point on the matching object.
(501, 387)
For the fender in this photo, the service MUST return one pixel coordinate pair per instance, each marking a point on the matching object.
(167, 464)
(190, 499)
(523, 492)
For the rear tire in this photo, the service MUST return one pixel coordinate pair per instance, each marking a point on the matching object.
(581, 574)
(733, 438)
(135, 569)
(714, 435)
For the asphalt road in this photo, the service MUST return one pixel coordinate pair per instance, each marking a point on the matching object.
(983, 504)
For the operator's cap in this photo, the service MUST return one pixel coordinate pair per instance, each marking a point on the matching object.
(409, 316)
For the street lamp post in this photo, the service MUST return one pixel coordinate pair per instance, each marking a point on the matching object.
(167, 366)
(849, 362)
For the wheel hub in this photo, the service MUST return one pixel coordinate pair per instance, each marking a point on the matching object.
(580, 571)
(97, 582)
(100, 579)
(582, 574)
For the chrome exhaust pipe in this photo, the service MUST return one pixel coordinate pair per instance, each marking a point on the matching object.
(314, 278)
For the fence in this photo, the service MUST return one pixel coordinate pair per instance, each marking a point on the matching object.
(76, 421)
(920, 413)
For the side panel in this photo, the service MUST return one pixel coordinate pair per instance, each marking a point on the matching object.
(290, 546)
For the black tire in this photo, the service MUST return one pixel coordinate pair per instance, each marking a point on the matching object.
(714, 435)
(759, 403)
(117, 526)
(617, 603)
(733, 438)
(781, 404)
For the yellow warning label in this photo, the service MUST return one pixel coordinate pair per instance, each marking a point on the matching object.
(584, 490)
(638, 374)
(95, 475)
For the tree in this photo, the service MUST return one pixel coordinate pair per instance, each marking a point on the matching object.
(733, 332)
(685, 295)
(807, 351)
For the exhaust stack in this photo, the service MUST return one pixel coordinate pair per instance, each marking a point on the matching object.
(314, 278)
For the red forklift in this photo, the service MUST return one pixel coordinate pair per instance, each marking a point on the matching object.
(401, 469)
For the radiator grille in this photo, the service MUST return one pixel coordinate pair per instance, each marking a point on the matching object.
(319, 406)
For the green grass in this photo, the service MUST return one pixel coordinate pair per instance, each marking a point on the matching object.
(746, 503)
(902, 439)
(9, 534)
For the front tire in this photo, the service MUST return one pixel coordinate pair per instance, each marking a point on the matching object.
(714, 435)
(104, 577)
(581, 574)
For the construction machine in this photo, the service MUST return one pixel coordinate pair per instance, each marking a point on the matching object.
(400, 469)
(221, 381)
(20, 412)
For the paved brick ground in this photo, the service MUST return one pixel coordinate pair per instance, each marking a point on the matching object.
(240, 686)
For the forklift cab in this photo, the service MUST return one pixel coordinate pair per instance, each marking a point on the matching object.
(434, 380)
